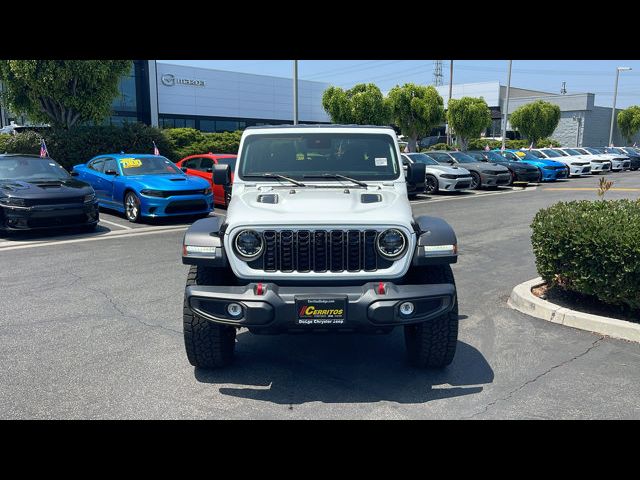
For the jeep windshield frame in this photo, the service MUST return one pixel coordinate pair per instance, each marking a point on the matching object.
(361, 156)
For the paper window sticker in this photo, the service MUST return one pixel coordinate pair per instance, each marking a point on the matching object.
(381, 161)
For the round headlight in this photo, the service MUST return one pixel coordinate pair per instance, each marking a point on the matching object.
(249, 244)
(391, 243)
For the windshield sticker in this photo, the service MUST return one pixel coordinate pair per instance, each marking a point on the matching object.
(381, 161)
(52, 164)
(520, 154)
(131, 162)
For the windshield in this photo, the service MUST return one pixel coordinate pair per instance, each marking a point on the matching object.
(362, 156)
(462, 157)
(581, 151)
(535, 153)
(598, 150)
(571, 151)
(614, 150)
(550, 153)
(31, 169)
(527, 155)
(593, 151)
(422, 158)
(148, 166)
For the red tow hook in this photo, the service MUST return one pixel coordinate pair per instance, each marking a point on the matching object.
(260, 289)
(382, 289)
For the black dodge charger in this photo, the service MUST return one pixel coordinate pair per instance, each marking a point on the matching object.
(39, 193)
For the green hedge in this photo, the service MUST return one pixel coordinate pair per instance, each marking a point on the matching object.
(78, 145)
(591, 247)
(189, 141)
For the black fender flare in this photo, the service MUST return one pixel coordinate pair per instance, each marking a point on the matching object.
(207, 232)
(434, 232)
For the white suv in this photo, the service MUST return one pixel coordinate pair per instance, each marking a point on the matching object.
(319, 236)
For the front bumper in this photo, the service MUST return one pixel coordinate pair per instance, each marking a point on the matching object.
(495, 180)
(579, 169)
(454, 184)
(48, 216)
(527, 176)
(598, 167)
(367, 310)
(548, 174)
(175, 205)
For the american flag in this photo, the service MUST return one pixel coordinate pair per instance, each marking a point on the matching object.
(155, 149)
(634, 144)
(486, 148)
(531, 146)
(43, 149)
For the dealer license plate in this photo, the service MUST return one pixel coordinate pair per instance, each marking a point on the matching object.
(321, 311)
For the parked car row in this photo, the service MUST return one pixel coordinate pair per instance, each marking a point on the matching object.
(454, 171)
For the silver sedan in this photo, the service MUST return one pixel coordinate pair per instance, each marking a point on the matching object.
(441, 177)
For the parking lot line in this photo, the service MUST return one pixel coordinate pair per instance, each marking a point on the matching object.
(115, 224)
(479, 195)
(592, 189)
(6, 246)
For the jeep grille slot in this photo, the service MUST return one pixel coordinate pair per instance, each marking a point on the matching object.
(320, 251)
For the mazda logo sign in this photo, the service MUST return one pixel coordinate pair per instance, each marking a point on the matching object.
(170, 80)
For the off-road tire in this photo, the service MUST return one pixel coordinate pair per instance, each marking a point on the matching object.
(208, 344)
(433, 343)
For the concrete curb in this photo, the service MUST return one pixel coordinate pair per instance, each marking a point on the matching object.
(524, 301)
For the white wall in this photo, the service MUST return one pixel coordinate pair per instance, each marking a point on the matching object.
(241, 95)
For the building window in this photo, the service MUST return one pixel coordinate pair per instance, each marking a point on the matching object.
(208, 125)
(226, 126)
(189, 123)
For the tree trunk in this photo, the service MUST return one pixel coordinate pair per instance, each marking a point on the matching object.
(413, 143)
(463, 142)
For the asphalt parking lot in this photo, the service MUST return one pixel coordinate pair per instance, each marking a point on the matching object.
(90, 327)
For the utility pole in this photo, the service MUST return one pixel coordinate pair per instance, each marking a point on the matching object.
(295, 92)
(437, 73)
(450, 91)
(615, 94)
(506, 108)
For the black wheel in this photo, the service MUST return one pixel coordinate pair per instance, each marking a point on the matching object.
(431, 184)
(540, 176)
(412, 196)
(476, 182)
(208, 344)
(514, 177)
(132, 207)
(433, 343)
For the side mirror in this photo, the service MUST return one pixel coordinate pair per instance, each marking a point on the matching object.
(184, 169)
(74, 173)
(110, 172)
(451, 161)
(416, 172)
(222, 175)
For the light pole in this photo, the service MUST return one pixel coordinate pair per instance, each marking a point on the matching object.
(450, 91)
(615, 94)
(506, 108)
(295, 92)
(578, 119)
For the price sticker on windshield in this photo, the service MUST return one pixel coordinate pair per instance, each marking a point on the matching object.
(520, 154)
(131, 162)
(381, 161)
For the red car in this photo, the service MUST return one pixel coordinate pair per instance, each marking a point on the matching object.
(202, 166)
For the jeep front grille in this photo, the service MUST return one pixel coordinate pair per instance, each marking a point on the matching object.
(320, 251)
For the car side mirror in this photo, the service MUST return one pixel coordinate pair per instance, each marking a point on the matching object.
(222, 175)
(416, 172)
(209, 170)
(451, 161)
(184, 169)
(74, 174)
(111, 172)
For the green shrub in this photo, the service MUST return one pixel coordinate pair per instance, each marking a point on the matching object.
(591, 247)
(4, 139)
(78, 145)
(547, 142)
(439, 146)
(188, 141)
(480, 143)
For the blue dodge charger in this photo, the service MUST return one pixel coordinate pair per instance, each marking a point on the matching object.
(141, 185)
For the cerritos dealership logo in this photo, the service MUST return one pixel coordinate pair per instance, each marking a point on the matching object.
(170, 80)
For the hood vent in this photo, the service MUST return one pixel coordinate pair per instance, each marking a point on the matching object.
(178, 179)
(268, 198)
(370, 198)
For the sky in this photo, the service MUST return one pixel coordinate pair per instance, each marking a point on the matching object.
(593, 76)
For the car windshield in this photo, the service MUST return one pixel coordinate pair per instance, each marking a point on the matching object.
(582, 151)
(550, 153)
(31, 169)
(535, 153)
(462, 157)
(361, 156)
(598, 150)
(422, 158)
(148, 166)
(593, 151)
(493, 156)
(571, 151)
(614, 150)
(527, 155)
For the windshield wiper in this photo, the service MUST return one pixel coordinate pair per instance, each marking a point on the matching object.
(278, 176)
(336, 175)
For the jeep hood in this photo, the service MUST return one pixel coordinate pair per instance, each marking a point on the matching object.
(319, 206)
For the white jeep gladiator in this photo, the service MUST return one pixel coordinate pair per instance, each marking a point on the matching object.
(319, 236)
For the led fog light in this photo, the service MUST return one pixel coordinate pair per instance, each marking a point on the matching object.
(234, 310)
(406, 308)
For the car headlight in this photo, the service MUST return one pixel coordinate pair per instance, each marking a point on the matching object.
(89, 198)
(152, 193)
(391, 243)
(448, 175)
(206, 191)
(16, 202)
(249, 244)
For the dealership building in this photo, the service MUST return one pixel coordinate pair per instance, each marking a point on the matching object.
(582, 122)
(167, 95)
